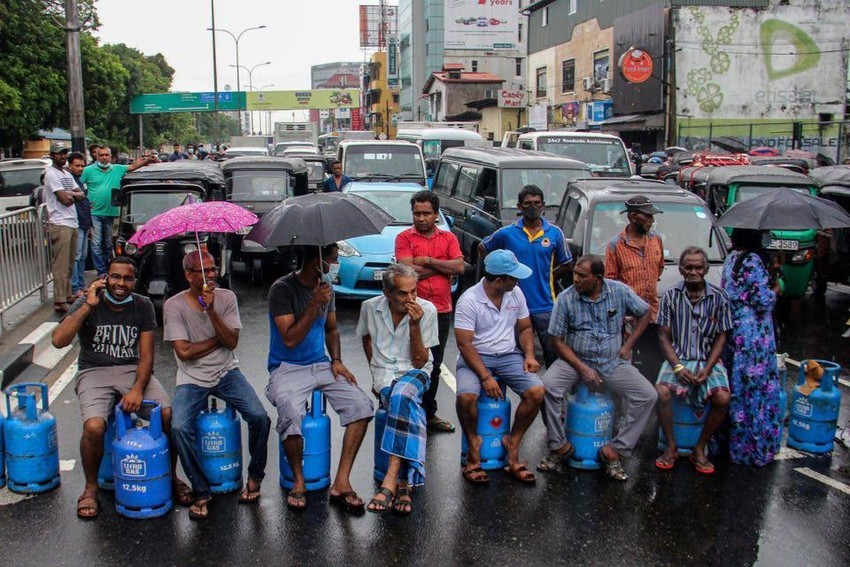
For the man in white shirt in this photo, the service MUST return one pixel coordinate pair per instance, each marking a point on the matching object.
(398, 329)
(60, 193)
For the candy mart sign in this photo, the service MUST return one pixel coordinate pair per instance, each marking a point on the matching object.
(512, 99)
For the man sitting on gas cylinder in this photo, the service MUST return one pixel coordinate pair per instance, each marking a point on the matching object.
(488, 318)
(302, 317)
(587, 333)
(203, 324)
(117, 340)
(398, 329)
(693, 319)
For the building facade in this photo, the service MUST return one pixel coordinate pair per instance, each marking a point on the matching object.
(381, 97)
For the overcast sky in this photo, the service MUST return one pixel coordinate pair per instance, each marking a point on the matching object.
(299, 34)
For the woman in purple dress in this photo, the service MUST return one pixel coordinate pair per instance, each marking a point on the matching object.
(754, 413)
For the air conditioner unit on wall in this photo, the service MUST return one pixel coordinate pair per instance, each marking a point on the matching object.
(587, 83)
(607, 85)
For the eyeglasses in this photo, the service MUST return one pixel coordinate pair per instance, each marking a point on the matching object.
(130, 280)
(213, 270)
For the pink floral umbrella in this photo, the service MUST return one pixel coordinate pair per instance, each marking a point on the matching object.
(208, 216)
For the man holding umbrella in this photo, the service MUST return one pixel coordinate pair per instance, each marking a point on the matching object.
(302, 319)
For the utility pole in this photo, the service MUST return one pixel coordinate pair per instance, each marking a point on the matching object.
(75, 77)
(217, 133)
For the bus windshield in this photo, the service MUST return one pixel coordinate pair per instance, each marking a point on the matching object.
(396, 161)
(605, 156)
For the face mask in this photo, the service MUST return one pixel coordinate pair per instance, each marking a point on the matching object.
(191, 151)
(114, 301)
(104, 167)
(333, 272)
(532, 214)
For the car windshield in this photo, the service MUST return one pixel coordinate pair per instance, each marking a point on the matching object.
(601, 154)
(316, 171)
(384, 161)
(396, 203)
(747, 192)
(259, 185)
(19, 181)
(679, 224)
(141, 206)
(552, 181)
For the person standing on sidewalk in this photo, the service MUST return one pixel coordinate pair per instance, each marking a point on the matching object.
(541, 246)
(636, 258)
(203, 324)
(101, 178)
(435, 255)
(76, 163)
(60, 194)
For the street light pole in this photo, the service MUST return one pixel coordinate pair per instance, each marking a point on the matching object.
(217, 133)
(251, 87)
(268, 114)
(236, 39)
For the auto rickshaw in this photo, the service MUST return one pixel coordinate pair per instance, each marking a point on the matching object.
(727, 185)
(260, 184)
(154, 189)
(833, 250)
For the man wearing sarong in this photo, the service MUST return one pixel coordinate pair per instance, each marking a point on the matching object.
(693, 318)
(398, 329)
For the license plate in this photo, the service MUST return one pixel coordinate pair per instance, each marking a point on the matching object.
(244, 231)
(779, 244)
(378, 275)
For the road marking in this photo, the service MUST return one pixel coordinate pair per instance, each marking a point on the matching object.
(66, 465)
(829, 481)
(448, 378)
(64, 380)
(788, 453)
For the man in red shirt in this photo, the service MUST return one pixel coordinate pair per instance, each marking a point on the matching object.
(435, 255)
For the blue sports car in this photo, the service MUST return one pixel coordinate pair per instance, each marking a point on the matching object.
(362, 260)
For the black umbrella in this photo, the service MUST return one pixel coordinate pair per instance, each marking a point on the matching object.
(729, 144)
(784, 208)
(319, 219)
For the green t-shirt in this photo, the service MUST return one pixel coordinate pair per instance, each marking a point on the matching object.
(100, 184)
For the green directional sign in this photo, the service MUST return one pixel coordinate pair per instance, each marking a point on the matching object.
(186, 102)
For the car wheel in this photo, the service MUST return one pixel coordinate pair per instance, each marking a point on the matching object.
(257, 271)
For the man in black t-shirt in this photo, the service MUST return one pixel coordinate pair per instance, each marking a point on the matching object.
(116, 329)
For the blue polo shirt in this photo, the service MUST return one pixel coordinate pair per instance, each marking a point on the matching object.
(288, 296)
(542, 252)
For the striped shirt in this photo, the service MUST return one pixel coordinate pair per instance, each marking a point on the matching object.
(693, 327)
(639, 268)
(594, 328)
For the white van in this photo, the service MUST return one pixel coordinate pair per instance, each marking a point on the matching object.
(382, 160)
(18, 180)
(434, 141)
(605, 154)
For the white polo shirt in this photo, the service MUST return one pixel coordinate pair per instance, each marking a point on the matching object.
(493, 328)
(391, 345)
(56, 180)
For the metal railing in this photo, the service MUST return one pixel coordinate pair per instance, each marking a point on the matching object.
(24, 256)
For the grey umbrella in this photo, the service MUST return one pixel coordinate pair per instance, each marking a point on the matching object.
(319, 219)
(785, 209)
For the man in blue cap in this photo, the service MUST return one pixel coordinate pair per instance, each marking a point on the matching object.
(488, 318)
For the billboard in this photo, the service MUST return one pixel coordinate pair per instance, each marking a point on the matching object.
(637, 68)
(755, 65)
(322, 73)
(306, 99)
(376, 28)
(481, 24)
(185, 102)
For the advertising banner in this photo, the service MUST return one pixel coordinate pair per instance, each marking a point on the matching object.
(512, 99)
(481, 24)
(293, 100)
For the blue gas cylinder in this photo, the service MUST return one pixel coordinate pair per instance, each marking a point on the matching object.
(814, 417)
(141, 462)
(783, 395)
(2, 454)
(589, 426)
(218, 439)
(494, 422)
(316, 457)
(32, 450)
(688, 422)
(382, 459)
(105, 478)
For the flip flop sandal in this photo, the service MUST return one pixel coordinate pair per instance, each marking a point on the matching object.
(182, 494)
(665, 462)
(475, 475)
(83, 506)
(553, 461)
(249, 496)
(345, 501)
(706, 468)
(403, 502)
(517, 471)
(198, 510)
(298, 497)
(386, 503)
(613, 469)
(441, 425)
(60, 307)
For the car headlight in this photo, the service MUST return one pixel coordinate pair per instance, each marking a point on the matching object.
(131, 249)
(346, 250)
(801, 256)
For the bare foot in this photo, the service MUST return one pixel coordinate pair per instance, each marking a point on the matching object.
(473, 451)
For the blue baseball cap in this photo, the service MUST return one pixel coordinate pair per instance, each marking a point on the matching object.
(504, 263)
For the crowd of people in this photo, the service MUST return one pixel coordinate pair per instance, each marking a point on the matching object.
(716, 341)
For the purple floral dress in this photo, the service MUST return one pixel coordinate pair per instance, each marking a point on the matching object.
(754, 432)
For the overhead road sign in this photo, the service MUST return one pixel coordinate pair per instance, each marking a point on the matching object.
(186, 102)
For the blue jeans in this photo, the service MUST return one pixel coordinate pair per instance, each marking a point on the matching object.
(78, 279)
(188, 402)
(101, 242)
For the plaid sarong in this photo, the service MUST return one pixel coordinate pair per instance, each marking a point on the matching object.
(694, 395)
(405, 434)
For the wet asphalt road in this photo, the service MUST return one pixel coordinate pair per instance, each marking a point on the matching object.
(740, 516)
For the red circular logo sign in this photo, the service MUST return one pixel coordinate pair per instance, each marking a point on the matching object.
(496, 422)
(636, 65)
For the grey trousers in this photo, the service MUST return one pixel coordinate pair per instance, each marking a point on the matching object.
(625, 381)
